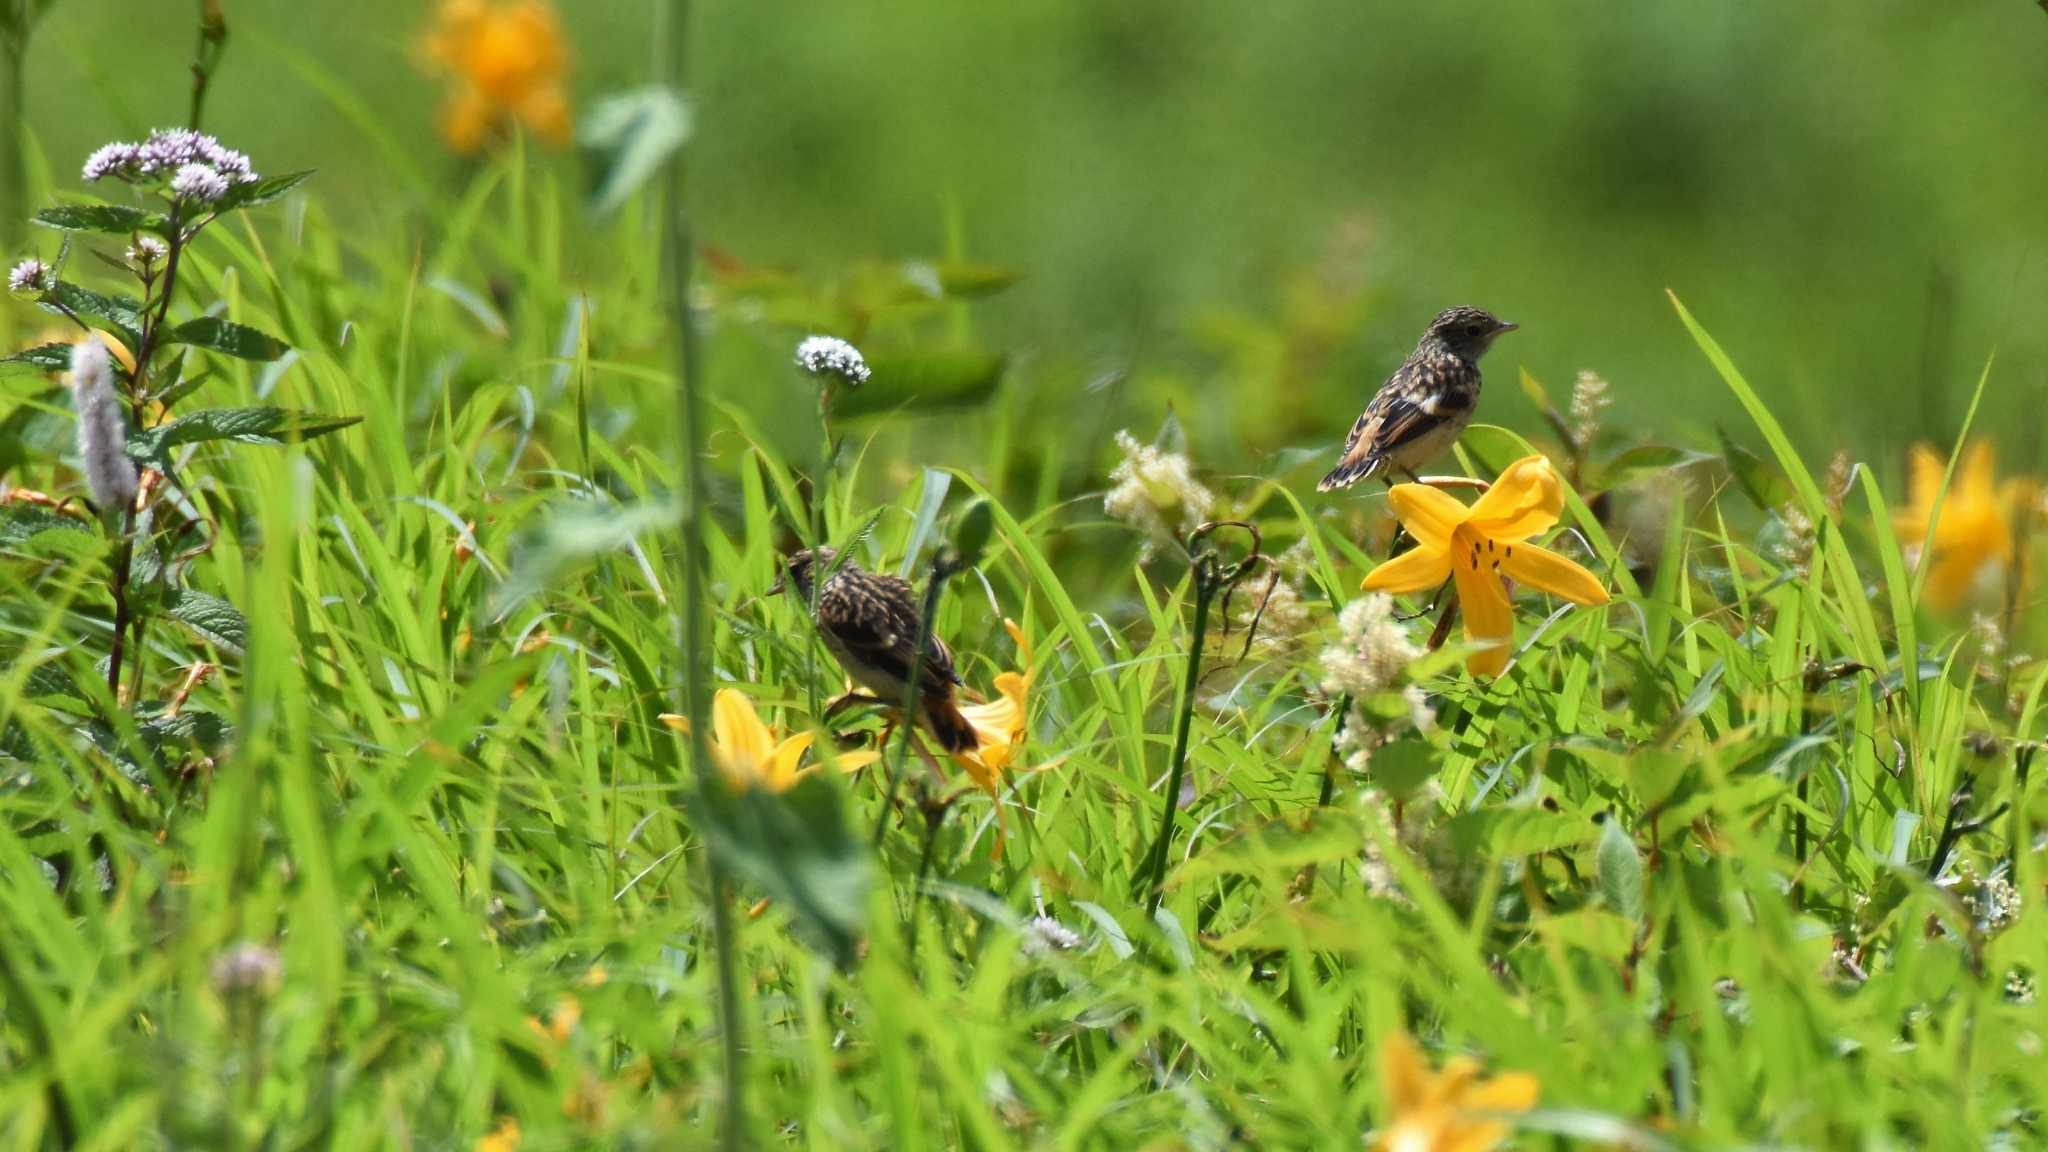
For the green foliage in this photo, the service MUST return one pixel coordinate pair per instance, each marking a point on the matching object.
(1719, 863)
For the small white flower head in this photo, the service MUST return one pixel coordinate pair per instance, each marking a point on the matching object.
(831, 356)
(1155, 492)
(102, 435)
(146, 253)
(248, 968)
(1372, 652)
(1589, 399)
(1044, 935)
(199, 182)
(31, 275)
(123, 161)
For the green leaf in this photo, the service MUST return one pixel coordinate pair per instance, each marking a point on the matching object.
(797, 849)
(972, 530)
(1643, 460)
(52, 357)
(122, 314)
(568, 536)
(274, 426)
(260, 191)
(933, 496)
(21, 523)
(227, 338)
(959, 280)
(1621, 870)
(1284, 844)
(214, 620)
(114, 219)
(1774, 433)
(920, 381)
(1522, 830)
(630, 137)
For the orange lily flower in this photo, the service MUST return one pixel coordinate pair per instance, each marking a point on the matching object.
(1483, 546)
(506, 61)
(1453, 1110)
(748, 753)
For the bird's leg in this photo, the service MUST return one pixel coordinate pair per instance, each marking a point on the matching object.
(848, 700)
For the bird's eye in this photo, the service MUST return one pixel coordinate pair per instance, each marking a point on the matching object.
(1474, 328)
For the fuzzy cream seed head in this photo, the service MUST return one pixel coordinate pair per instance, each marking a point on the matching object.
(102, 432)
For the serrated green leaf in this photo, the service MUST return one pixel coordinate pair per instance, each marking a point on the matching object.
(113, 219)
(21, 523)
(121, 314)
(920, 382)
(227, 338)
(214, 620)
(52, 357)
(260, 191)
(273, 426)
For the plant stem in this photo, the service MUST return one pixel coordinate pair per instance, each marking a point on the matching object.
(932, 821)
(1204, 576)
(696, 654)
(13, 130)
(934, 584)
(213, 40)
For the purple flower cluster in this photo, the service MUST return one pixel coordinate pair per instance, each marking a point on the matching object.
(200, 166)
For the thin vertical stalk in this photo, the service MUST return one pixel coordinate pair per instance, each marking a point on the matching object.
(935, 584)
(1205, 584)
(13, 137)
(696, 638)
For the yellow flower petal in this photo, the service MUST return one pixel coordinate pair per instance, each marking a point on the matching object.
(782, 772)
(1428, 513)
(1404, 1075)
(1416, 570)
(741, 744)
(1489, 615)
(1526, 500)
(1546, 571)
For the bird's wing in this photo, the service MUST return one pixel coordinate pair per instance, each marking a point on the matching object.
(876, 615)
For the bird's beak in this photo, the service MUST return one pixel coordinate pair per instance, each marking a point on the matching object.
(774, 589)
(1508, 326)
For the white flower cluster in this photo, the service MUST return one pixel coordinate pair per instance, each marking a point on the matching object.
(199, 166)
(831, 356)
(1371, 657)
(248, 967)
(1155, 491)
(31, 275)
(147, 252)
(1044, 935)
(102, 436)
(1589, 399)
(1993, 902)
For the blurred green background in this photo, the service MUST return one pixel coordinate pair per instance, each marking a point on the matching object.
(1251, 210)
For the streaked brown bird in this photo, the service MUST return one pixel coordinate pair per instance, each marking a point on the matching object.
(869, 622)
(1424, 406)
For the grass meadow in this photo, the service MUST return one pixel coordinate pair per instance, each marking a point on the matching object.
(403, 745)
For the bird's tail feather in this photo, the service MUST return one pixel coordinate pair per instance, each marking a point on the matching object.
(942, 718)
(1349, 472)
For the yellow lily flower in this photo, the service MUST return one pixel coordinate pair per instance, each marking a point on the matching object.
(1975, 527)
(1480, 547)
(1445, 1111)
(748, 753)
(999, 725)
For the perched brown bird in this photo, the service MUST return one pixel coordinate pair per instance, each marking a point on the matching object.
(1424, 405)
(869, 622)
